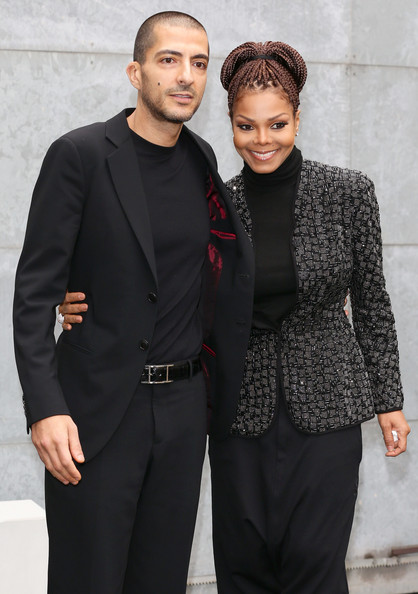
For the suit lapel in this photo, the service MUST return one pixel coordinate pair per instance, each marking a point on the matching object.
(227, 195)
(124, 170)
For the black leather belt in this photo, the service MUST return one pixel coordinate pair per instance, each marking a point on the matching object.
(165, 374)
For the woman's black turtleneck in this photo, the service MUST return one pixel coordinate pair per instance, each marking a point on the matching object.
(270, 198)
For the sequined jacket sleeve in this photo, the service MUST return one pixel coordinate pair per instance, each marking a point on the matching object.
(372, 313)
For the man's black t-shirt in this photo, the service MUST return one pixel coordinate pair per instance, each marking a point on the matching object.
(174, 184)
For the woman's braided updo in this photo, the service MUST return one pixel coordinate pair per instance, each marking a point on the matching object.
(260, 65)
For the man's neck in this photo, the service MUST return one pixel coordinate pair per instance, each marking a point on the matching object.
(162, 133)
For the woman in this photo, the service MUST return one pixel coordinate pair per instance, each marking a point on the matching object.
(285, 480)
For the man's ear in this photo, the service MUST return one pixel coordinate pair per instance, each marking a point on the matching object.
(133, 70)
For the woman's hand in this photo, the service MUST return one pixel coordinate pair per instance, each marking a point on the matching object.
(394, 421)
(70, 308)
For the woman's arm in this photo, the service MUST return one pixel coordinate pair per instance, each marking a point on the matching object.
(373, 319)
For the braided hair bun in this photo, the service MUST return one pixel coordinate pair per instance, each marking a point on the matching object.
(272, 63)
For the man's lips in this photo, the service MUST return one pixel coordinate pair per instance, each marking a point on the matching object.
(182, 97)
(263, 156)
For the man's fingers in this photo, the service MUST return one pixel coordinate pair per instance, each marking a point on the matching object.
(58, 461)
(69, 320)
(51, 437)
(72, 319)
(73, 308)
(75, 445)
(57, 475)
(62, 464)
(73, 297)
(70, 313)
(69, 470)
(70, 308)
(50, 467)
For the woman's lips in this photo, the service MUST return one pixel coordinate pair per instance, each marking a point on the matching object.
(263, 156)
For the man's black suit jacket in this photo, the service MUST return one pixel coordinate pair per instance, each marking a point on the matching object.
(88, 229)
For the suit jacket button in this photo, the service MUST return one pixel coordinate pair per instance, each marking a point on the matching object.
(152, 297)
(144, 344)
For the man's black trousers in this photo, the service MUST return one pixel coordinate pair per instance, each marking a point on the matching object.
(127, 528)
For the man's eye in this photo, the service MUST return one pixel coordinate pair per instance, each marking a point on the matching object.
(201, 65)
(167, 60)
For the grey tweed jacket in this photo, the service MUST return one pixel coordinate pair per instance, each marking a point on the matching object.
(333, 374)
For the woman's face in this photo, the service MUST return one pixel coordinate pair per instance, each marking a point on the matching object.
(264, 126)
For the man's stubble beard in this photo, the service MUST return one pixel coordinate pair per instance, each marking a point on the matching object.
(164, 115)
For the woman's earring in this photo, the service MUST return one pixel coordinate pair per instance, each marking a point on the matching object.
(297, 133)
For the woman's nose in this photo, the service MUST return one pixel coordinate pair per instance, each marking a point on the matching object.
(263, 136)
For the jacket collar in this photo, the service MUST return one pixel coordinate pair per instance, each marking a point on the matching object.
(126, 176)
(205, 148)
(117, 129)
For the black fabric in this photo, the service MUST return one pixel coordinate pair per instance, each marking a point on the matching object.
(97, 238)
(174, 183)
(127, 527)
(283, 507)
(271, 199)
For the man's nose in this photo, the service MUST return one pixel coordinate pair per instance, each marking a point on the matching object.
(185, 76)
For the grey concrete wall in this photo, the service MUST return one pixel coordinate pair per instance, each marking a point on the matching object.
(62, 65)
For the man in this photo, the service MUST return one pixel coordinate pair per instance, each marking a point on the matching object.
(133, 211)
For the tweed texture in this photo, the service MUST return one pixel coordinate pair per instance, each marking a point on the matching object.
(333, 374)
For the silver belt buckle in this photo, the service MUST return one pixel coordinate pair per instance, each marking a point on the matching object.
(151, 368)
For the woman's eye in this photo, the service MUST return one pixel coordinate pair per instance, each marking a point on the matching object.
(279, 125)
(245, 127)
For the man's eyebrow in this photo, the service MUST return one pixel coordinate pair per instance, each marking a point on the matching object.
(200, 57)
(170, 52)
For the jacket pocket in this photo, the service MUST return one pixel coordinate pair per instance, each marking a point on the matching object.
(74, 345)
